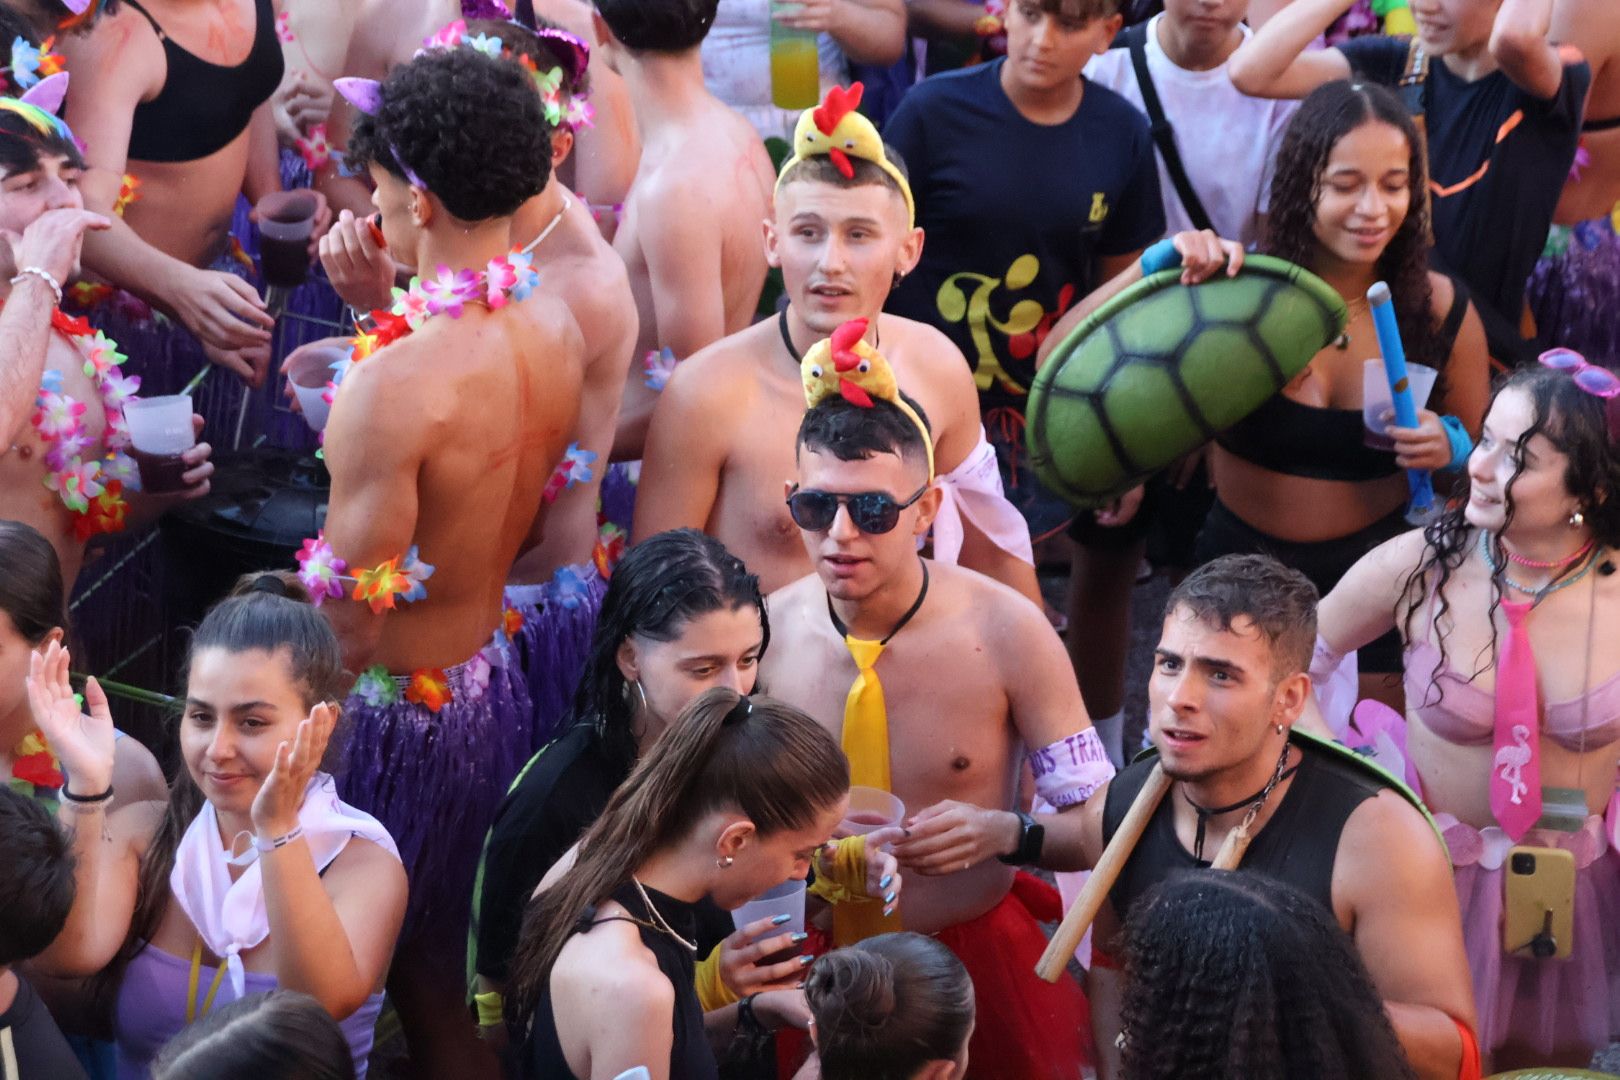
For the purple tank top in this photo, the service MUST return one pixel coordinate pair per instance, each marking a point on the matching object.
(152, 1009)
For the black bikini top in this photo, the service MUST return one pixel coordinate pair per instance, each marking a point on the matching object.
(1294, 439)
(204, 106)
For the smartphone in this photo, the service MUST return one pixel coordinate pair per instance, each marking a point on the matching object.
(1539, 903)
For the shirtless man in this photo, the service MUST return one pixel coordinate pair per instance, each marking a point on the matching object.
(439, 446)
(1228, 684)
(690, 229)
(972, 678)
(43, 357)
(722, 436)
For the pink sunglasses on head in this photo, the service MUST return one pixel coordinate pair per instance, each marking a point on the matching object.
(1600, 382)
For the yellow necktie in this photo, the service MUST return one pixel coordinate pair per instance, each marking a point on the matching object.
(866, 744)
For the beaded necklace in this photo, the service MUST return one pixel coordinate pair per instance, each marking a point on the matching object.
(1537, 595)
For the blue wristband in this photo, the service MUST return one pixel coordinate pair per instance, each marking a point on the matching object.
(1461, 444)
(1161, 256)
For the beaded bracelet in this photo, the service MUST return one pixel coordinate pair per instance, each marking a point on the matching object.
(44, 275)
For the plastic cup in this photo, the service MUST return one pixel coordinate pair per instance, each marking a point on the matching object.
(871, 809)
(786, 899)
(286, 219)
(159, 431)
(795, 62)
(308, 371)
(1376, 400)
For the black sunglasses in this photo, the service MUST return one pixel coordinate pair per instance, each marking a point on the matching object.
(874, 512)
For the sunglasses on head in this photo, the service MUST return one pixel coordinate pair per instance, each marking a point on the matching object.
(874, 512)
(1598, 381)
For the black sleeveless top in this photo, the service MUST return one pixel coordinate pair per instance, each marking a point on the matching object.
(1295, 439)
(204, 106)
(1298, 845)
(690, 1057)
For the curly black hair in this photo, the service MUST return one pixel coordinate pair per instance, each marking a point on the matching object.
(1329, 114)
(659, 26)
(470, 127)
(1579, 426)
(1238, 976)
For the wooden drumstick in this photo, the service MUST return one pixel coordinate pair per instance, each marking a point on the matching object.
(1055, 960)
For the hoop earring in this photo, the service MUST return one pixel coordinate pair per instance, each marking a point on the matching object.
(1577, 519)
(642, 694)
(724, 862)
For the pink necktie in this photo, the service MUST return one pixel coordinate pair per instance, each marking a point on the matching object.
(1516, 766)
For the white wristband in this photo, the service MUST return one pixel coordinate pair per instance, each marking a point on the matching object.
(281, 841)
(44, 275)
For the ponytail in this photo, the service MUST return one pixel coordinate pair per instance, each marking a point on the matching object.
(756, 756)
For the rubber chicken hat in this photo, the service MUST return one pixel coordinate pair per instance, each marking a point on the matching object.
(847, 366)
(836, 130)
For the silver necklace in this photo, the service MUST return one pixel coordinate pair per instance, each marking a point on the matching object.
(545, 232)
(1537, 595)
(658, 919)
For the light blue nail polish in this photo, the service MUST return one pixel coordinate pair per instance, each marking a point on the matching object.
(801, 936)
(884, 884)
(780, 919)
(804, 961)
(889, 899)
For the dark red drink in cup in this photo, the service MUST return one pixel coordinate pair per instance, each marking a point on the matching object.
(159, 432)
(286, 219)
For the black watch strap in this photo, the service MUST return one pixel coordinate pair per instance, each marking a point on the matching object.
(1031, 837)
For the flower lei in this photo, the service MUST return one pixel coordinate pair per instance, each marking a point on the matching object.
(90, 480)
(33, 763)
(573, 111)
(128, 192)
(29, 64)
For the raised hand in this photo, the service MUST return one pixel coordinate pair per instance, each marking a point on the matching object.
(53, 241)
(83, 742)
(275, 808)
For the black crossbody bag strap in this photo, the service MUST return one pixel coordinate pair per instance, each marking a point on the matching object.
(1164, 136)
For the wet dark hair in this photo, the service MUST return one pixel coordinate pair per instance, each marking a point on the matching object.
(1238, 976)
(1577, 424)
(660, 26)
(819, 169)
(281, 1035)
(1279, 600)
(888, 1006)
(269, 612)
(36, 890)
(1326, 116)
(853, 433)
(769, 762)
(660, 585)
(31, 592)
(470, 127)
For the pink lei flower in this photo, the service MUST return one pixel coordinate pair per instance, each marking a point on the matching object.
(579, 114)
(321, 570)
(411, 305)
(447, 292)
(314, 147)
(57, 415)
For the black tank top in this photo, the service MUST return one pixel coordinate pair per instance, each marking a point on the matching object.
(690, 1058)
(1298, 845)
(1295, 439)
(204, 106)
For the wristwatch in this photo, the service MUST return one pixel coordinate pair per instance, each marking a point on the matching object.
(1031, 836)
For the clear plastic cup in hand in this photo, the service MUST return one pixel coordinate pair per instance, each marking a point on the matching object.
(1378, 404)
(871, 809)
(159, 432)
(308, 371)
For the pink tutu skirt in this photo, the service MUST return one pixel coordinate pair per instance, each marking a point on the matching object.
(1545, 1006)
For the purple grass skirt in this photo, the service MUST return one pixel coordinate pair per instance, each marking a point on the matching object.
(616, 499)
(554, 643)
(1574, 291)
(1546, 1006)
(434, 777)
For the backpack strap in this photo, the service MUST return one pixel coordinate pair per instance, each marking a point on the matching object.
(1164, 136)
(1413, 87)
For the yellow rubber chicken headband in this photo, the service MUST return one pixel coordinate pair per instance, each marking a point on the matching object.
(847, 366)
(835, 130)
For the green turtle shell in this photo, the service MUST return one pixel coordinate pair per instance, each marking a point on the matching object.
(1163, 368)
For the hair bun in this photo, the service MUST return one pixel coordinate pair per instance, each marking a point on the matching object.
(282, 583)
(852, 990)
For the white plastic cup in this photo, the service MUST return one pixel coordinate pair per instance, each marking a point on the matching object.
(871, 809)
(786, 899)
(638, 1073)
(159, 432)
(1376, 400)
(308, 371)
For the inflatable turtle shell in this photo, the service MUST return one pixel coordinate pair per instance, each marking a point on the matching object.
(1162, 368)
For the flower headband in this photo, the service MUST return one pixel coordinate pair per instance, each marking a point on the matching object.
(29, 64)
(846, 365)
(836, 130)
(575, 111)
